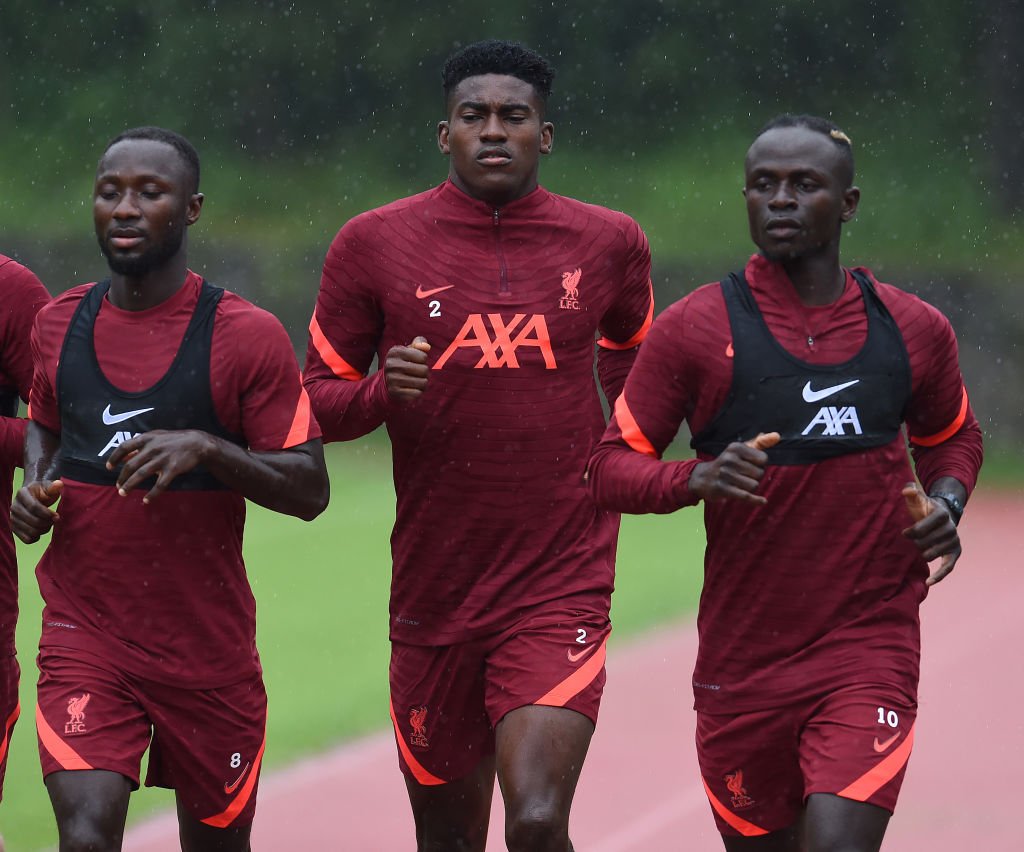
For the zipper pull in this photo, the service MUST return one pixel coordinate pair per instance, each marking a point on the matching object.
(496, 213)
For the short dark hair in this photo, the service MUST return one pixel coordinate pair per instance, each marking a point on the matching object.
(818, 124)
(494, 56)
(179, 143)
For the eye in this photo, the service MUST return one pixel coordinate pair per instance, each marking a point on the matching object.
(807, 186)
(516, 118)
(151, 194)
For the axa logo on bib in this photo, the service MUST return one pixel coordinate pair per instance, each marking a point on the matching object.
(834, 421)
(499, 341)
(115, 442)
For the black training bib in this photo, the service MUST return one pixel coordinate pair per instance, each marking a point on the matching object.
(821, 411)
(96, 417)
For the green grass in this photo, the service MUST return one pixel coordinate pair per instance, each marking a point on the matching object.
(322, 592)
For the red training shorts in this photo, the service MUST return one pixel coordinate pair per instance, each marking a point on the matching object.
(207, 744)
(9, 710)
(759, 768)
(447, 700)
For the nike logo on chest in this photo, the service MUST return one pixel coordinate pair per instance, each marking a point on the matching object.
(109, 418)
(816, 395)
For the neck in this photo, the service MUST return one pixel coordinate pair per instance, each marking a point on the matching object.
(817, 279)
(495, 200)
(141, 292)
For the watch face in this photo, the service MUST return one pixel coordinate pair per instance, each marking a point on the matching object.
(956, 508)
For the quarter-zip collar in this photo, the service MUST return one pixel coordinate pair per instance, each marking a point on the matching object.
(523, 207)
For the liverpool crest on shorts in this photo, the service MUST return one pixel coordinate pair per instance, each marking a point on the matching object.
(418, 723)
(76, 714)
(740, 799)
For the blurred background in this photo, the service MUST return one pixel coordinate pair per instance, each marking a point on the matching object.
(306, 114)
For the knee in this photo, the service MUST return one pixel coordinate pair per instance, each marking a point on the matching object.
(83, 834)
(537, 828)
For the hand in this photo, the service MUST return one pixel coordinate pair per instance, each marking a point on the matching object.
(736, 473)
(933, 531)
(406, 370)
(31, 515)
(161, 453)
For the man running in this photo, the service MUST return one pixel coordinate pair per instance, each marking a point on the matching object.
(22, 296)
(159, 404)
(796, 378)
(482, 300)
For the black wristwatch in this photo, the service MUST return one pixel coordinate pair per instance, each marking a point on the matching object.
(953, 503)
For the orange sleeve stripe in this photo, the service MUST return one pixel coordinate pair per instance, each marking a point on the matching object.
(948, 432)
(8, 725)
(881, 773)
(631, 432)
(747, 829)
(66, 756)
(227, 816)
(299, 433)
(637, 338)
(577, 681)
(339, 366)
(419, 772)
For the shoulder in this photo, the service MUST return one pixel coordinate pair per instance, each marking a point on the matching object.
(61, 307)
(16, 278)
(597, 216)
(703, 309)
(702, 302)
(913, 314)
(237, 315)
(364, 228)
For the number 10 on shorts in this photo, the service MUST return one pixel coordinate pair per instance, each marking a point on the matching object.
(888, 717)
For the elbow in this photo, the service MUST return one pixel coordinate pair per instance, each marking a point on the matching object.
(594, 480)
(318, 501)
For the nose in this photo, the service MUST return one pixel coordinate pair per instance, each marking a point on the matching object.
(782, 197)
(493, 129)
(126, 207)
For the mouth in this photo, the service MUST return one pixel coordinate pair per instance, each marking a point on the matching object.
(783, 228)
(494, 157)
(125, 238)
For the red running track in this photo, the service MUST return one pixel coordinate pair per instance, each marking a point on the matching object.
(640, 790)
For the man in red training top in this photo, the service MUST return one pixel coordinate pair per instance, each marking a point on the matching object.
(482, 299)
(159, 404)
(21, 297)
(796, 378)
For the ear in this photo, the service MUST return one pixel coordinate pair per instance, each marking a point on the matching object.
(851, 198)
(547, 137)
(442, 137)
(195, 208)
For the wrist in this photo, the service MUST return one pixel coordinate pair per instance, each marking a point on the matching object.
(954, 505)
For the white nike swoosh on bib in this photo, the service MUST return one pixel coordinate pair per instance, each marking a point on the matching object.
(815, 395)
(110, 419)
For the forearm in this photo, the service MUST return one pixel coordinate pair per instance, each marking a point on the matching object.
(613, 366)
(12, 441)
(624, 480)
(41, 447)
(959, 457)
(292, 481)
(347, 409)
